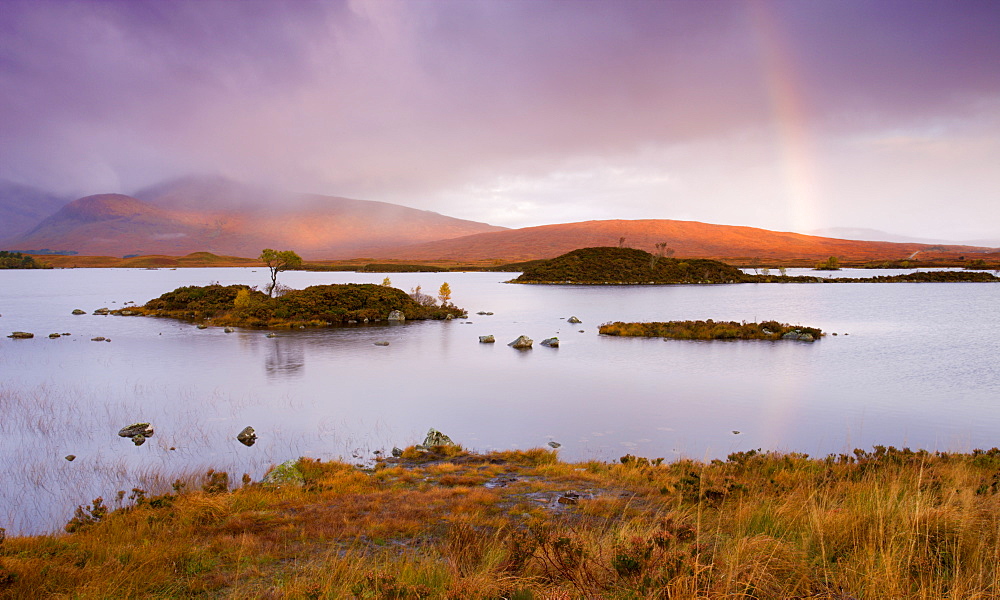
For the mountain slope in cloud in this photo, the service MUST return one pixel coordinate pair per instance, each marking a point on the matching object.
(687, 238)
(225, 217)
(23, 207)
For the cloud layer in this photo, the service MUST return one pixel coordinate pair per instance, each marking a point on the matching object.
(778, 114)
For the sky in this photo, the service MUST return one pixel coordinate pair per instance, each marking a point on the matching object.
(790, 115)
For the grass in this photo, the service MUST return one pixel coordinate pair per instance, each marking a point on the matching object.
(710, 330)
(447, 523)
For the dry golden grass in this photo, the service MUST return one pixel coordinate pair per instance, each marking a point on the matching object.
(450, 524)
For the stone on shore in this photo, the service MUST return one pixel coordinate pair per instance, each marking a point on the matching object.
(436, 438)
(397, 315)
(285, 474)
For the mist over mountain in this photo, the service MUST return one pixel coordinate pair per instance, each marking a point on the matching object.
(227, 217)
(22, 207)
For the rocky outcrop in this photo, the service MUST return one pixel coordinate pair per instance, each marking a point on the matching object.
(521, 343)
(436, 438)
(285, 474)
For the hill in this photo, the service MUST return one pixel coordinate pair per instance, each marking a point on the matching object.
(686, 238)
(225, 217)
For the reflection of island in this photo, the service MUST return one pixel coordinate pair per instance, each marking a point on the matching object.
(285, 358)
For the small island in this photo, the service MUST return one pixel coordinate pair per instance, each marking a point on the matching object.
(314, 306)
(18, 260)
(629, 266)
(713, 330)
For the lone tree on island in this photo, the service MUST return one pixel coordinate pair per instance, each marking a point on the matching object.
(444, 294)
(277, 261)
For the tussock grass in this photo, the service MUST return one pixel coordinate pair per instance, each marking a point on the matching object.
(886, 523)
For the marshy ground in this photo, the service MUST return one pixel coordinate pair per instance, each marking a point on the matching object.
(446, 523)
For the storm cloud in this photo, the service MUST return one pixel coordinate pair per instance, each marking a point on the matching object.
(778, 114)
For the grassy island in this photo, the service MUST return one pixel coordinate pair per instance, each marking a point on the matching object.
(448, 524)
(713, 330)
(607, 265)
(314, 306)
(628, 266)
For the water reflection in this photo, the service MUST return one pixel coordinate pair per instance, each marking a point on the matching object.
(285, 358)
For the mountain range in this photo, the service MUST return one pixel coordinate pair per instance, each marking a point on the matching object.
(218, 215)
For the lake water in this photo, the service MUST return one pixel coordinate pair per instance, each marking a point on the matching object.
(912, 365)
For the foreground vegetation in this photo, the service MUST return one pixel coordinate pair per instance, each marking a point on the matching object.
(314, 306)
(444, 523)
(17, 260)
(712, 330)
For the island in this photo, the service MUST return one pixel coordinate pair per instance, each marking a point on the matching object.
(19, 260)
(713, 330)
(314, 306)
(630, 266)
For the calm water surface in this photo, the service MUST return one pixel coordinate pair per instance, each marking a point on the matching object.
(912, 365)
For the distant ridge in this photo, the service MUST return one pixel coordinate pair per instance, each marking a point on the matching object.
(22, 207)
(687, 238)
(221, 216)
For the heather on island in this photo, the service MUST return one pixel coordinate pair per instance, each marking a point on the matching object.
(314, 306)
(713, 330)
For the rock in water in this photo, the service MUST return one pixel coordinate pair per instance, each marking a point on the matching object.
(21, 335)
(798, 335)
(436, 438)
(383, 343)
(102, 311)
(247, 437)
(136, 429)
(53, 336)
(397, 451)
(70, 457)
(521, 343)
(202, 326)
(397, 315)
(574, 320)
(99, 339)
(487, 339)
(552, 342)
(139, 440)
(228, 330)
(285, 474)
(77, 311)
(554, 444)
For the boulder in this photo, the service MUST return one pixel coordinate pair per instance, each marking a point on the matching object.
(70, 457)
(102, 311)
(397, 315)
(397, 451)
(21, 335)
(270, 335)
(521, 343)
(554, 444)
(552, 342)
(77, 311)
(798, 335)
(382, 343)
(436, 438)
(247, 437)
(99, 339)
(202, 326)
(487, 339)
(574, 320)
(139, 440)
(287, 473)
(136, 429)
(53, 336)
(228, 330)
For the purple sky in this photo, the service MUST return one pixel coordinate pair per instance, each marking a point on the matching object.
(789, 115)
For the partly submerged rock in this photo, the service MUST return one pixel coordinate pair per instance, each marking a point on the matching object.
(53, 336)
(436, 438)
(70, 457)
(382, 343)
(798, 335)
(100, 339)
(202, 326)
(522, 343)
(228, 330)
(554, 444)
(397, 451)
(247, 437)
(77, 311)
(21, 335)
(574, 320)
(136, 429)
(139, 440)
(287, 473)
(552, 342)
(397, 315)
(270, 335)
(487, 339)
(102, 311)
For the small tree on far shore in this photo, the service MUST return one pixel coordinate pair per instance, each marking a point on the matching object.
(277, 261)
